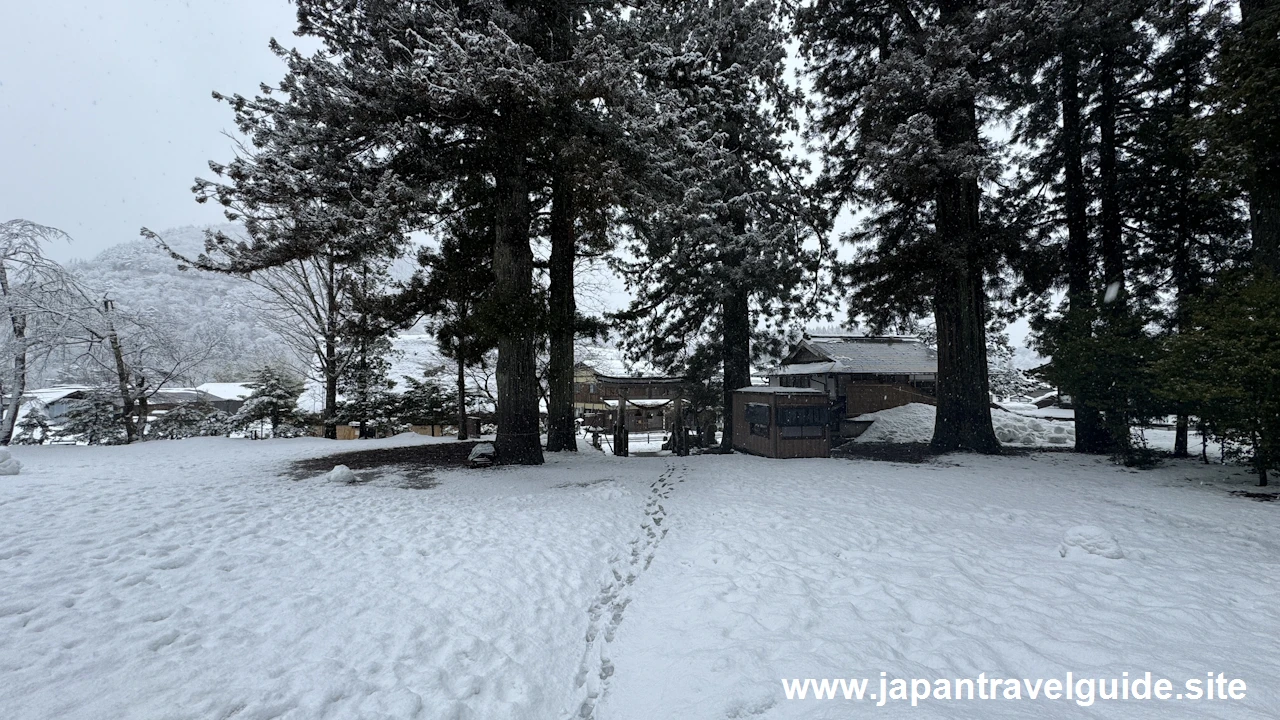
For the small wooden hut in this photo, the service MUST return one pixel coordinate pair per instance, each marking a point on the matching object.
(781, 422)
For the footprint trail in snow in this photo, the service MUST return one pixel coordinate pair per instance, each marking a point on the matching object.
(606, 612)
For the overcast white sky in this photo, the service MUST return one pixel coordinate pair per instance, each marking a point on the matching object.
(106, 116)
(105, 108)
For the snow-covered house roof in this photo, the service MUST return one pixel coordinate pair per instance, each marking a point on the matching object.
(860, 355)
(54, 394)
(226, 391)
(177, 396)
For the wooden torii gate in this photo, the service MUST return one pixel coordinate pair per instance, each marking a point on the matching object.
(624, 385)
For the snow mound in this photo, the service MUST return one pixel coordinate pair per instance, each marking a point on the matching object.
(341, 474)
(8, 466)
(913, 423)
(1090, 540)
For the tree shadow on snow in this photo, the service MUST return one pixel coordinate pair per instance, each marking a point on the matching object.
(407, 467)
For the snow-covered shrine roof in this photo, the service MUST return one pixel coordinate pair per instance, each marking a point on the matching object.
(844, 354)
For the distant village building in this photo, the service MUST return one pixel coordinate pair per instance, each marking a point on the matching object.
(227, 397)
(861, 374)
(57, 401)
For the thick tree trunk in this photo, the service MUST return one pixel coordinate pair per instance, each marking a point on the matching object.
(517, 372)
(1090, 434)
(1180, 448)
(1111, 235)
(963, 419)
(1264, 185)
(736, 322)
(462, 392)
(560, 323)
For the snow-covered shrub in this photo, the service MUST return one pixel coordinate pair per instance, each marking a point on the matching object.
(341, 474)
(189, 420)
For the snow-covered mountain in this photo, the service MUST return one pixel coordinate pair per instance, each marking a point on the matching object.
(143, 279)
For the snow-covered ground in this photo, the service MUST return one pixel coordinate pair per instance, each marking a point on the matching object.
(191, 579)
(913, 423)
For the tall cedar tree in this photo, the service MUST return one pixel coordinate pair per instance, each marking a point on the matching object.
(377, 129)
(1044, 86)
(898, 109)
(727, 247)
(613, 143)
(1114, 190)
(1186, 214)
(365, 381)
(1250, 74)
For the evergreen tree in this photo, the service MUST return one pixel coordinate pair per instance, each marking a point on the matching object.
(451, 288)
(194, 419)
(1185, 210)
(1225, 364)
(424, 402)
(274, 400)
(365, 381)
(726, 252)
(1061, 80)
(369, 139)
(366, 387)
(900, 85)
(1249, 109)
(95, 420)
(1114, 191)
(33, 429)
(1007, 380)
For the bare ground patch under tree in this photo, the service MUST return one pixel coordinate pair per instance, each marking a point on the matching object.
(416, 461)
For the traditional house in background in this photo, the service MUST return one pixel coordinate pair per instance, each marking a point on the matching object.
(587, 403)
(861, 374)
(55, 401)
(227, 397)
(166, 399)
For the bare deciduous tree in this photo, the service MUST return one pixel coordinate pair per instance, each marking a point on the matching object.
(28, 281)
